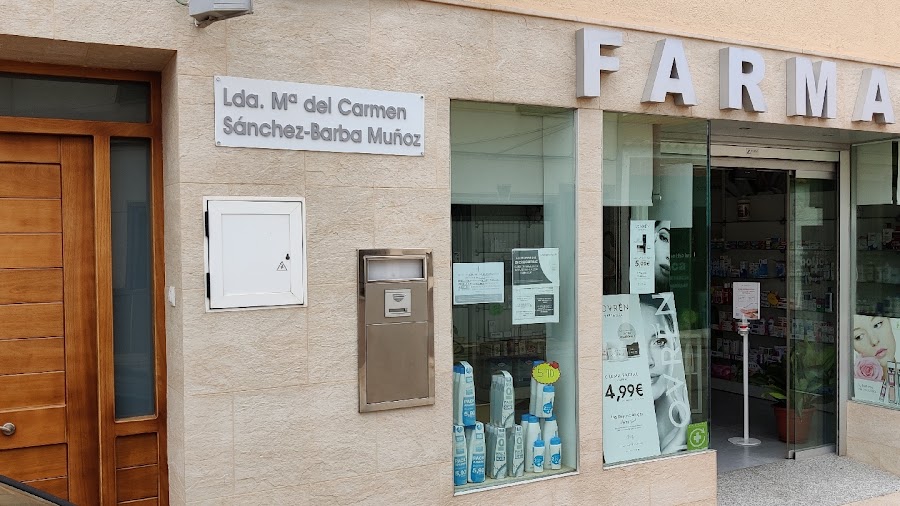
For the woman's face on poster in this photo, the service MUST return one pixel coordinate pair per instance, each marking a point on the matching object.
(662, 247)
(873, 337)
(660, 349)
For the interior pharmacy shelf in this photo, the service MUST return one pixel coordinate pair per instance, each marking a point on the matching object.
(737, 387)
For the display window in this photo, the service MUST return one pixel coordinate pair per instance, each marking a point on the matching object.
(655, 286)
(513, 227)
(876, 320)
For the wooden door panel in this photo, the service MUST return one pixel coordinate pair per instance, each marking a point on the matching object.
(29, 148)
(56, 486)
(137, 483)
(21, 180)
(34, 427)
(152, 501)
(31, 320)
(136, 450)
(30, 216)
(23, 251)
(30, 285)
(37, 463)
(28, 390)
(22, 356)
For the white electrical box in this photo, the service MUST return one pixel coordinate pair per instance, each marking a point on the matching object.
(255, 252)
(207, 11)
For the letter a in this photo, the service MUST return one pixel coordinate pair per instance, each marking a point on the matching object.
(873, 100)
(669, 73)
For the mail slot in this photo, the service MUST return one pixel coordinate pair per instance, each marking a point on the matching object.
(396, 329)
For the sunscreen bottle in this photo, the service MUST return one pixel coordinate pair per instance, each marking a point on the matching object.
(508, 400)
(555, 453)
(458, 392)
(532, 434)
(515, 446)
(535, 389)
(476, 449)
(498, 464)
(550, 428)
(468, 396)
(460, 458)
(548, 396)
(538, 464)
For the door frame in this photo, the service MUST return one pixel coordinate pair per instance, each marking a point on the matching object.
(822, 163)
(100, 133)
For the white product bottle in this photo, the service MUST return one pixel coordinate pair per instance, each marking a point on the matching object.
(475, 448)
(508, 400)
(460, 456)
(538, 459)
(515, 446)
(550, 428)
(547, 398)
(458, 393)
(555, 453)
(468, 396)
(535, 388)
(532, 434)
(498, 464)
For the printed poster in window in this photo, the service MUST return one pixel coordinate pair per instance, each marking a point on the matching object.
(641, 271)
(535, 285)
(646, 409)
(875, 372)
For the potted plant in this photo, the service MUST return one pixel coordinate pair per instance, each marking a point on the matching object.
(812, 366)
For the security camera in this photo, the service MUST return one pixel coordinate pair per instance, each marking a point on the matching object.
(205, 12)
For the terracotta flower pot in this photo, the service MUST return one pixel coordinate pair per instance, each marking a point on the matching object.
(799, 424)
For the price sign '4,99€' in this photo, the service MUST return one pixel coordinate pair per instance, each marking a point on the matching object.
(628, 390)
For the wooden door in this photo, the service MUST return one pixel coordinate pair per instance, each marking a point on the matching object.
(48, 336)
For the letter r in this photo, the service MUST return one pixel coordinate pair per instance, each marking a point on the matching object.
(589, 63)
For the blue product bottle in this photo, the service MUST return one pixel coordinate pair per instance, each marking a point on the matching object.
(555, 453)
(538, 451)
(548, 397)
(460, 457)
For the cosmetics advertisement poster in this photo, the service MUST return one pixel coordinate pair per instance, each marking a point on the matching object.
(875, 370)
(640, 271)
(646, 410)
(535, 285)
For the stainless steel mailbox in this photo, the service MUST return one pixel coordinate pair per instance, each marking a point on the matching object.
(396, 329)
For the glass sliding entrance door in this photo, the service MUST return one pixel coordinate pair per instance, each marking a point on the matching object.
(810, 415)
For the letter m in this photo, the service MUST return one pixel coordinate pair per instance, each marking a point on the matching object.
(811, 88)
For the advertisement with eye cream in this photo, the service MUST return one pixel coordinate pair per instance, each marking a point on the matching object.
(876, 377)
(646, 410)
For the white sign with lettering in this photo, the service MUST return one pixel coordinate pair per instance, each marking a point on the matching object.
(255, 113)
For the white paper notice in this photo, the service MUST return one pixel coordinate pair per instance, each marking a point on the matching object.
(535, 285)
(746, 301)
(643, 259)
(478, 283)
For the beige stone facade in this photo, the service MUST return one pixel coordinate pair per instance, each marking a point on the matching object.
(262, 405)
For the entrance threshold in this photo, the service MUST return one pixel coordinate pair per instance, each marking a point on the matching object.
(826, 480)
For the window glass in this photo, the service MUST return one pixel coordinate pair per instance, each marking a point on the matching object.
(513, 222)
(74, 98)
(655, 286)
(133, 342)
(876, 322)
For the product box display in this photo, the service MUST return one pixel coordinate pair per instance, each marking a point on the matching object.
(501, 448)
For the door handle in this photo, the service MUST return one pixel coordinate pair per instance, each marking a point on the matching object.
(8, 429)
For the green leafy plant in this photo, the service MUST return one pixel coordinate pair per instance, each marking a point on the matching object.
(812, 366)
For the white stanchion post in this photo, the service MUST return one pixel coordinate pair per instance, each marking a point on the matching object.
(744, 331)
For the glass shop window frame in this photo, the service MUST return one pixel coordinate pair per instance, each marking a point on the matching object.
(103, 132)
(875, 274)
(636, 147)
(519, 171)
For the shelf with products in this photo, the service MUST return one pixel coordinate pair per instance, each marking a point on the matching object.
(490, 482)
